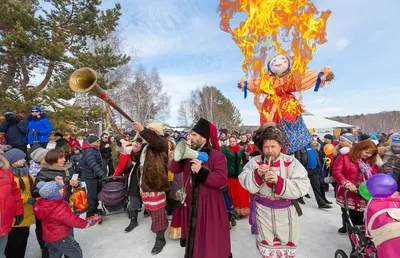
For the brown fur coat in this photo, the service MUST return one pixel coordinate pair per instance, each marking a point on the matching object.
(155, 170)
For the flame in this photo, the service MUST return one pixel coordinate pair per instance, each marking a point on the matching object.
(275, 26)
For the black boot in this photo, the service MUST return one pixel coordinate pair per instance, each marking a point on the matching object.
(160, 243)
(134, 223)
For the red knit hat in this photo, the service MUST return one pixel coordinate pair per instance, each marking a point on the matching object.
(207, 130)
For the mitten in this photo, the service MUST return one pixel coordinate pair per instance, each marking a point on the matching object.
(93, 220)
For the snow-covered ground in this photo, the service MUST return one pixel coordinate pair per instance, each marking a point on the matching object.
(319, 237)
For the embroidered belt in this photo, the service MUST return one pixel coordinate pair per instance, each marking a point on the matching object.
(266, 201)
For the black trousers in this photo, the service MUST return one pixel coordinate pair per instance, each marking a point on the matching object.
(39, 232)
(316, 183)
(17, 241)
(357, 218)
(93, 189)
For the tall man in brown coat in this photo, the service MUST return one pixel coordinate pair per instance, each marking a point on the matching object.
(154, 179)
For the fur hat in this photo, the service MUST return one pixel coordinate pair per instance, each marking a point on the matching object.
(14, 155)
(348, 137)
(50, 190)
(395, 139)
(92, 139)
(156, 127)
(269, 131)
(38, 154)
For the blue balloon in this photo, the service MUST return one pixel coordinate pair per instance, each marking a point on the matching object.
(381, 185)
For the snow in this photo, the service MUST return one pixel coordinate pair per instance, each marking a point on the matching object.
(319, 237)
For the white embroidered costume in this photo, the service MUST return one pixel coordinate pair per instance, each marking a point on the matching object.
(273, 217)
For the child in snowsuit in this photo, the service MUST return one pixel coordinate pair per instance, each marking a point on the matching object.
(58, 220)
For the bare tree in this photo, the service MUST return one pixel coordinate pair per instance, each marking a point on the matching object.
(209, 103)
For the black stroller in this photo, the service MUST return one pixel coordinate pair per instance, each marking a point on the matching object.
(364, 247)
(113, 195)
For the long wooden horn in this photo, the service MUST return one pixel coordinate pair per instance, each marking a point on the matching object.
(85, 80)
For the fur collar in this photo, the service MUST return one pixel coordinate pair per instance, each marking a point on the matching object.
(56, 168)
(344, 150)
(34, 118)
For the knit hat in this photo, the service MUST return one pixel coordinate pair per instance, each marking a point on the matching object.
(329, 137)
(157, 127)
(36, 108)
(92, 139)
(248, 131)
(351, 138)
(38, 154)
(50, 190)
(395, 139)
(14, 155)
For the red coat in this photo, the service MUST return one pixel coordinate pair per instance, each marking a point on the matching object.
(10, 201)
(345, 172)
(211, 235)
(57, 219)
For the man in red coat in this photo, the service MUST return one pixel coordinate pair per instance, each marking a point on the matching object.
(10, 202)
(205, 224)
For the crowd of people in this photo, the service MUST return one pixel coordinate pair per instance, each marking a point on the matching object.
(247, 175)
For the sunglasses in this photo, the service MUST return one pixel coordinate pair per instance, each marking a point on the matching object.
(34, 111)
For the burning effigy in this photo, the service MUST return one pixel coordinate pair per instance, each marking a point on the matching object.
(278, 39)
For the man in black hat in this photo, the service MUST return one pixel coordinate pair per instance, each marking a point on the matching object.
(205, 225)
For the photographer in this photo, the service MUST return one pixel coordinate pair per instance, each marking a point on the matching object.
(15, 129)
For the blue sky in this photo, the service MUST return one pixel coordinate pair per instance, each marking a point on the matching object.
(182, 39)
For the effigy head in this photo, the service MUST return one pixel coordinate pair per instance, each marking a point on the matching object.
(279, 65)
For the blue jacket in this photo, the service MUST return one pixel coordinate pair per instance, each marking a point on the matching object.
(15, 133)
(42, 126)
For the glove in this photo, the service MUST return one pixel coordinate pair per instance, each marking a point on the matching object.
(31, 201)
(18, 219)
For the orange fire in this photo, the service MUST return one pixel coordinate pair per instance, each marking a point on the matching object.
(289, 27)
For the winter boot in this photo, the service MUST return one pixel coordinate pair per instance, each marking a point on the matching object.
(134, 223)
(160, 243)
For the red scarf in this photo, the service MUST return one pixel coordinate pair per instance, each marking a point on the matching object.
(234, 149)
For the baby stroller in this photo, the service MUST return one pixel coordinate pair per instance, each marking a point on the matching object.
(364, 247)
(113, 195)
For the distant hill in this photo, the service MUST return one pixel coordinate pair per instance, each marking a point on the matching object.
(380, 122)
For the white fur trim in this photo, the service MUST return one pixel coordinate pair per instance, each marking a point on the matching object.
(344, 150)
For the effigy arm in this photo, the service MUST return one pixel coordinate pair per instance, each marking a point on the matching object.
(311, 78)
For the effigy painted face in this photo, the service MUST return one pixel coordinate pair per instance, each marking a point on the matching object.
(279, 65)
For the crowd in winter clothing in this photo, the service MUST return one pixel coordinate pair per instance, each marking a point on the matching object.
(36, 183)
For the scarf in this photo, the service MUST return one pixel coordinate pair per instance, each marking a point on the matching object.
(234, 149)
(365, 169)
(22, 171)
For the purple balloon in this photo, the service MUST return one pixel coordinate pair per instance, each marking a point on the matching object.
(381, 185)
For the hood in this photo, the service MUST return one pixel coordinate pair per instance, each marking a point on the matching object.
(87, 146)
(34, 118)
(43, 208)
